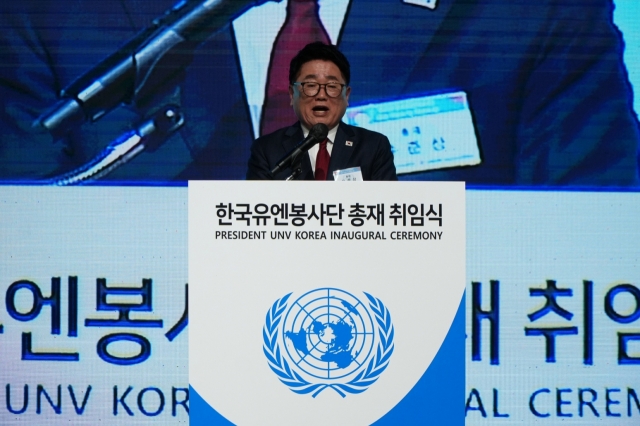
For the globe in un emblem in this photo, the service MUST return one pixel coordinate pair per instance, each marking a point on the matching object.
(328, 333)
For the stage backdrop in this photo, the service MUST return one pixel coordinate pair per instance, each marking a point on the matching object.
(526, 93)
(94, 306)
(553, 308)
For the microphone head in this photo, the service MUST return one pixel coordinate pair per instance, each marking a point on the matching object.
(319, 132)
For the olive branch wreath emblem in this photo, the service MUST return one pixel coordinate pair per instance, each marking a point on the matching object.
(296, 383)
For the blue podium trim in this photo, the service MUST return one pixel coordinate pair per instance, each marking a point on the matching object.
(437, 398)
(202, 414)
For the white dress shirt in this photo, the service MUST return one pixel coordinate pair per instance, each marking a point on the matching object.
(313, 151)
(255, 33)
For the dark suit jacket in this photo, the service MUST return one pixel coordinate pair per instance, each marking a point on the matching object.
(548, 92)
(368, 150)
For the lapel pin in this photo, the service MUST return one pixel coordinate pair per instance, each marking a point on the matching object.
(349, 143)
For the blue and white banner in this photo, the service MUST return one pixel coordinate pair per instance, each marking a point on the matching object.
(309, 301)
(553, 308)
(93, 312)
(93, 315)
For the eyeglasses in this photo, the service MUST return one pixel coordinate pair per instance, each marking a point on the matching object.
(311, 88)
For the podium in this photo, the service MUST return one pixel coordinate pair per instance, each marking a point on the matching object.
(313, 303)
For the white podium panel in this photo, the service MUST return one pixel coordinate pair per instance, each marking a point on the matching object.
(313, 303)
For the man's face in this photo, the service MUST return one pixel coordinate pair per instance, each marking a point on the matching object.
(320, 108)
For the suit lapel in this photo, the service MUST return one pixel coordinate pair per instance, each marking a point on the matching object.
(383, 40)
(341, 152)
(293, 136)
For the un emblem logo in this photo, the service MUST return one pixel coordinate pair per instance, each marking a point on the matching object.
(328, 338)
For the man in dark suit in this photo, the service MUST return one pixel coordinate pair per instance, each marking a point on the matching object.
(319, 91)
(547, 89)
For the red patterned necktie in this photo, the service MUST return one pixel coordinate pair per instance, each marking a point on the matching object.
(322, 161)
(301, 27)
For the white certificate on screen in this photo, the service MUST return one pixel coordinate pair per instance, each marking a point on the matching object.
(426, 133)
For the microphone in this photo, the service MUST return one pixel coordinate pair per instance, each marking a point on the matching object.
(152, 58)
(317, 134)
